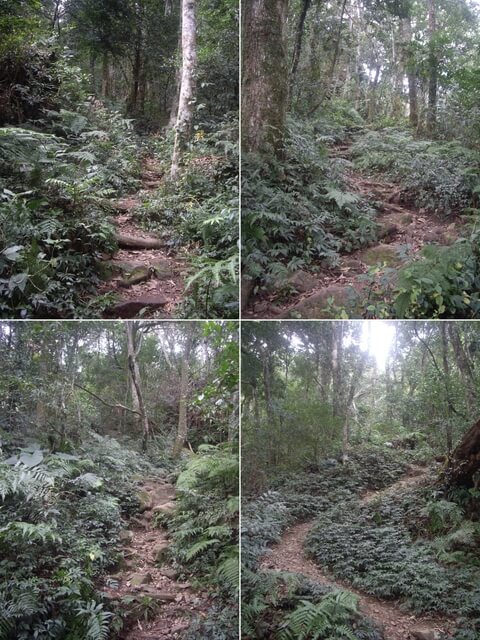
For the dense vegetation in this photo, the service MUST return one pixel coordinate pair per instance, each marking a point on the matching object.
(90, 98)
(373, 141)
(378, 406)
(74, 465)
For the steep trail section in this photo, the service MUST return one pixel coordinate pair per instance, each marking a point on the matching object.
(403, 230)
(289, 555)
(144, 272)
(146, 581)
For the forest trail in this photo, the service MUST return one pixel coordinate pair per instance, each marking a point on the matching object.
(403, 231)
(289, 555)
(143, 272)
(147, 578)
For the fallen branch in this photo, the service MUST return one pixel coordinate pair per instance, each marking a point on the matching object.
(125, 241)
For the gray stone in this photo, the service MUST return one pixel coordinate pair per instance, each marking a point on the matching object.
(324, 304)
(423, 633)
(139, 579)
(160, 552)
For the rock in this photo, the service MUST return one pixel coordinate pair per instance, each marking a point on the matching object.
(146, 502)
(301, 281)
(139, 579)
(387, 230)
(131, 308)
(383, 254)
(160, 552)
(324, 304)
(125, 536)
(407, 218)
(160, 596)
(423, 633)
(167, 508)
(169, 573)
(352, 264)
(162, 270)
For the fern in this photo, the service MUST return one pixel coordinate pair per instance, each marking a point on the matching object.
(326, 620)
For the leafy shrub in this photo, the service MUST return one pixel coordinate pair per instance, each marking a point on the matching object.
(298, 210)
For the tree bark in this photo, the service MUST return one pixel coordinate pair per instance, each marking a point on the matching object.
(136, 389)
(265, 76)
(186, 97)
(464, 367)
(409, 66)
(182, 430)
(297, 49)
(432, 69)
(446, 373)
(464, 462)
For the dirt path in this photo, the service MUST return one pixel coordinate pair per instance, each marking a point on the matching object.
(147, 580)
(402, 233)
(289, 555)
(149, 278)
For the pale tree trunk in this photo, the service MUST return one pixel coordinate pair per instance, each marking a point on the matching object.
(409, 66)
(265, 76)
(138, 403)
(432, 69)
(178, 81)
(446, 373)
(186, 98)
(182, 429)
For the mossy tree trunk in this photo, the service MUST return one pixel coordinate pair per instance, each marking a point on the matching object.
(464, 462)
(182, 429)
(265, 76)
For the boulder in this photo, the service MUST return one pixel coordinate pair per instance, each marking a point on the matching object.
(383, 254)
(139, 579)
(167, 508)
(146, 502)
(168, 572)
(125, 536)
(324, 304)
(131, 308)
(423, 633)
(160, 552)
(301, 281)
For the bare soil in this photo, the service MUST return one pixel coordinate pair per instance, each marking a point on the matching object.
(289, 555)
(166, 287)
(176, 601)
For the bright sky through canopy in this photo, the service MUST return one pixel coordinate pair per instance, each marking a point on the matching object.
(377, 338)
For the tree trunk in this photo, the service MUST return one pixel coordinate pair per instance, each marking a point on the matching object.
(432, 69)
(464, 367)
(186, 98)
(465, 461)
(446, 373)
(106, 77)
(134, 371)
(265, 76)
(298, 47)
(182, 429)
(410, 70)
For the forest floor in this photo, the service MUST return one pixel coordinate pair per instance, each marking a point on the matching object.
(143, 277)
(403, 230)
(146, 581)
(290, 555)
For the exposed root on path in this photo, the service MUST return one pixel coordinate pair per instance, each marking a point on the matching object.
(289, 555)
(145, 273)
(147, 582)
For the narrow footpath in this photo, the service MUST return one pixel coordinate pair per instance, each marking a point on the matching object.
(403, 230)
(289, 555)
(145, 272)
(147, 582)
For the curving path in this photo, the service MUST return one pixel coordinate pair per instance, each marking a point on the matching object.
(289, 555)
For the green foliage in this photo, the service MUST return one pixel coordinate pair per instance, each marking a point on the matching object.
(200, 212)
(299, 210)
(438, 176)
(328, 619)
(204, 530)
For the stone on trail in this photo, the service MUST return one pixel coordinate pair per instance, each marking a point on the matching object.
(131, 308)
(324, 304)
(423, 633)
(125, 536)
(160, 552)
(146, 501)
(139, 579)
(383, 254)
(167, 508)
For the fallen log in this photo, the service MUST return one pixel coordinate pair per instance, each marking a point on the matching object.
(125, 241)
